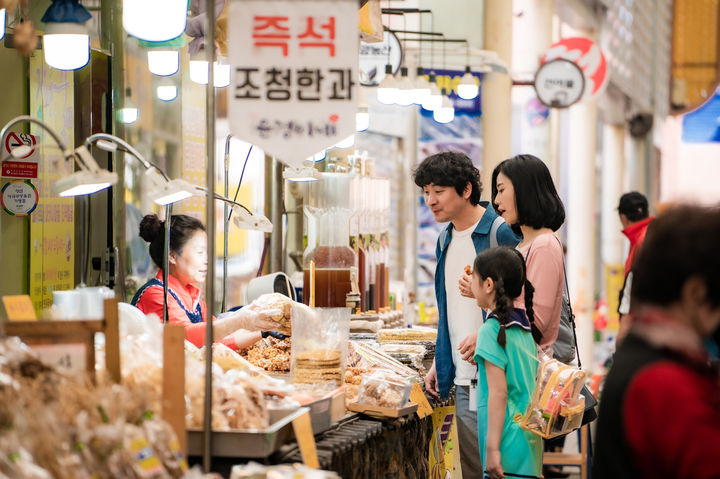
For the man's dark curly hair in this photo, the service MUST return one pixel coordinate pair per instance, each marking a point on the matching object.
(450, 168)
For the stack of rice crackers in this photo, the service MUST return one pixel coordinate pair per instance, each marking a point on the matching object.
(318, 366)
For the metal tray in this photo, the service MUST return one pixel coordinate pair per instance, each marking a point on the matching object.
(248, 443)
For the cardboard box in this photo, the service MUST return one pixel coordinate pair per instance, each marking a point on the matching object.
(378, 411)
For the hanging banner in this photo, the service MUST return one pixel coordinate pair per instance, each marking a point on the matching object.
(294, 75)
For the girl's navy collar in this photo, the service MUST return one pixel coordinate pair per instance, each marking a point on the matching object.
(518, 318)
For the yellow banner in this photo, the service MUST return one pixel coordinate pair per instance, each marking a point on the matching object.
(52, 227)
(614, 277)
(443, 444)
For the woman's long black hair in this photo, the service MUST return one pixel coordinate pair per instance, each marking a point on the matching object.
(506, 267)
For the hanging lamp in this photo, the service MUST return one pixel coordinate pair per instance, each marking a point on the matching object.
(446, 112)
(66, 43)
(468, 87)
(155, 20)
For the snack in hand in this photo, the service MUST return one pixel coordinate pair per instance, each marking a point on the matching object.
(468, 269)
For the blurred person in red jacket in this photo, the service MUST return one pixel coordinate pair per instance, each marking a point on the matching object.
(660, 407)
(635, 219)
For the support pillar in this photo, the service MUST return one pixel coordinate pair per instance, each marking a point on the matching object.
(496, 102)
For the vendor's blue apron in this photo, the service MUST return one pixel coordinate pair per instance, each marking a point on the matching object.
(194, 317)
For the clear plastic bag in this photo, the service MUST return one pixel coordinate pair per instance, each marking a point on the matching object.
(557, 406)
(320, 344)
(384, 389)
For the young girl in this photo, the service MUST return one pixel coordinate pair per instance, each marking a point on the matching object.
(506, 355)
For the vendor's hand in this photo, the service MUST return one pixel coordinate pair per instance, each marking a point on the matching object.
(467, 348)
(274, 334)
(493, 468)
(253, 321)
(465, 286)
(431, 384)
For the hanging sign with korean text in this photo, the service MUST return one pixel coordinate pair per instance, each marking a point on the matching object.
(294, 74)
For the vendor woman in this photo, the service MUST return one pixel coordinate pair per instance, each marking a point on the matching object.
(187, 264)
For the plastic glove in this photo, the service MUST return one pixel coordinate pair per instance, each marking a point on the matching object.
(252, 320)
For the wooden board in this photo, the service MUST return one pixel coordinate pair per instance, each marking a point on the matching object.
(383, 411)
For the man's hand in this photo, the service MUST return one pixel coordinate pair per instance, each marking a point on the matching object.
(431, 384)
(493, 467)
(465, 286)
(467, 348)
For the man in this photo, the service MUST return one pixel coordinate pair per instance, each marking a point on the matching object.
(635, 219)
(451, 187)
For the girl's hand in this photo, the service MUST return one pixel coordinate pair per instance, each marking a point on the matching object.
(465, 286)
(493, 467)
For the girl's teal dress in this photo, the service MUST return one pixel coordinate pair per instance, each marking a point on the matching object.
(520, 450)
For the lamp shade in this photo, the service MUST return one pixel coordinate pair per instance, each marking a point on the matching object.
(163, 62)
(173, 191)
(434, 99)
(2, 23)
(388, 87)
(155, 20)
(468, 87)
(166, 92)
(84, 182)
(446, 112)
(199, 73)
(66, 45)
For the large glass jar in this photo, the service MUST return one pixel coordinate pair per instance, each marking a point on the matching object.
(329, 271)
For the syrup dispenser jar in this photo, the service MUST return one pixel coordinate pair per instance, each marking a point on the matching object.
(329, 264)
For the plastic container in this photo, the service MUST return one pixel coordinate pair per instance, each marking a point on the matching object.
(384, 389)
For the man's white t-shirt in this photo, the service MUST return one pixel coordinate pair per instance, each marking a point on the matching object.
(464, 315)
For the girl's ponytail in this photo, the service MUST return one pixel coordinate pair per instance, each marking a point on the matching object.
(501, 310)
(529, 291)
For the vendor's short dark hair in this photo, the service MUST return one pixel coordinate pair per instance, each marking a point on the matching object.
(538, 203)
(450, 168)
(634, 206)
(680, 244)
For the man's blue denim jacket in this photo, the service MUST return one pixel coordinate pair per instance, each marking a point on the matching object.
(481, 239)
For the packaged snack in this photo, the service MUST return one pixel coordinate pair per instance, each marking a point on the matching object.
(384, 389)
(557, 406)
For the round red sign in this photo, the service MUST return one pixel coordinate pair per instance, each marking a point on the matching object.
(585, 54)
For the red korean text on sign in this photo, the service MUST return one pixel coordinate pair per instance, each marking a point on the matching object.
(271, 32)
(323, 37)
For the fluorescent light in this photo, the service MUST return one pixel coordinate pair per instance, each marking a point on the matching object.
(2, 23)
(173, 191)
(155, 20)
(166, 92)
(245, 220)
(446, 112)
(128, 115)
(302, 174)
(84, 182)
(468, 87)
(163, 62)
(362, 119)
(66, 45)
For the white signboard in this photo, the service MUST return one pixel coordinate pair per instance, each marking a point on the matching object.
(68, 358)
(559, 83)
(294, 74)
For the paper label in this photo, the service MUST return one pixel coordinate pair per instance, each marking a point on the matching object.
(69, 358)
(19, 308)
(418, 397)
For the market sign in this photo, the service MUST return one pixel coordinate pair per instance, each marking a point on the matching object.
(27, 165)
(374, 57)
(559, 83)
(585, 54)
(294, 75)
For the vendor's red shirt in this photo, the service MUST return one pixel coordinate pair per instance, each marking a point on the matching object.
(151, 301)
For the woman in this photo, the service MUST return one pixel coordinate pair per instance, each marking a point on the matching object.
(523, 193)
(187, 265)
(660, 408)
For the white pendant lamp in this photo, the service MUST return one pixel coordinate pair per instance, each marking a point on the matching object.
(362, 119)
(66, 42)
(128, 113)
(163, 62)
(166, 92)
(221, 72)
(2, 23)
(199, 73)
(155, 20)
(421, 87)
(434, 99)
(446, 112)
(468, 87)
(404, 95)
(388, 87)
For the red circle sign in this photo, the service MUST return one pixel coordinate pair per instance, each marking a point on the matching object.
(585, 54)
(14, 140)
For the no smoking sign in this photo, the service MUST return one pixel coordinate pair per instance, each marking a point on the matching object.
(24, 166)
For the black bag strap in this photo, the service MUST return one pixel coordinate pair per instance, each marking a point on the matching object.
(567, 293)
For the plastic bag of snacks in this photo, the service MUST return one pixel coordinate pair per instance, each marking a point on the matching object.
(556, 407)
(384, 389)
(254, 470)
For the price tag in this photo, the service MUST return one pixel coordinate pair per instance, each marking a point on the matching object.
(19, 308)
(69, 358)
(417, 396)
(306, 440)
